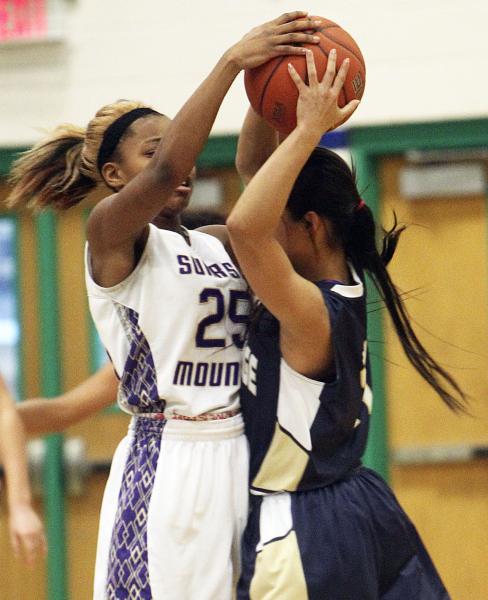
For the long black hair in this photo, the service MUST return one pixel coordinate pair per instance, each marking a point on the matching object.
(327, 186)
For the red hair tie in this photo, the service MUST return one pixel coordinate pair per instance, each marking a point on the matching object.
(360, 204)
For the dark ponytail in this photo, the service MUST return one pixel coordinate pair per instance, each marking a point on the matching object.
(327, 186)
(363, 252)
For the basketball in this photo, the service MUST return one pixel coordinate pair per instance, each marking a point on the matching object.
(272, 93)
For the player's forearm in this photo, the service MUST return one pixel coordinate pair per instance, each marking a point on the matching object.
(47, 415)
(257, 141)
(258, 211)
(14, 458)
(188, 132)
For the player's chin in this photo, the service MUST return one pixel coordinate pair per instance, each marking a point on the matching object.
(178, 201)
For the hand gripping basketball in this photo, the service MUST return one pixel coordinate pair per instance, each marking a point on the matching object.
(274, 96)
(317, 106)
(279, 37)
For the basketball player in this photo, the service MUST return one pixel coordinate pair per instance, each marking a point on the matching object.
(48, 415)
(171, 310)
(25, 528)
(321, 525)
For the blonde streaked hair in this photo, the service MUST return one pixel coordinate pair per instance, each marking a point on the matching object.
(61, 169)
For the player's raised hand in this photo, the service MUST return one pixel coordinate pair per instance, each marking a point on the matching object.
(317, 106)
(281, 36)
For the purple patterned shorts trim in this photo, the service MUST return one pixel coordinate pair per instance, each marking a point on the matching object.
(128, 574)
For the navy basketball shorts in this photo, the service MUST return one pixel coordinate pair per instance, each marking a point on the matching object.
(347, 541)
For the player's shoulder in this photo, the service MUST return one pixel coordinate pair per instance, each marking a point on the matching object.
(218, 232)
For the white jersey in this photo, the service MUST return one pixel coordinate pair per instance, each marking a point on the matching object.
(174, 328)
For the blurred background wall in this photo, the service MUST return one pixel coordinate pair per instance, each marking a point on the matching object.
(420, 144)
(425, 60)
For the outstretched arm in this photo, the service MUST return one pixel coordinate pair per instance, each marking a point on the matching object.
(47, 415)
(295, 301)
(117, 222)
(26, 530)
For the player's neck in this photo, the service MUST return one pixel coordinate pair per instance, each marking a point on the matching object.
(332, 266)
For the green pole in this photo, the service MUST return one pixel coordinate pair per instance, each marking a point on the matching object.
(376, 455)
(50, 386)
(20, 384)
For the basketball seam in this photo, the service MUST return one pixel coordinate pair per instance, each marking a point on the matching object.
(265, 87)
(343, 87)
(328, 27)
(361, 61)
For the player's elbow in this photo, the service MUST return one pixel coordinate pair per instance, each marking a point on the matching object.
(237, 227)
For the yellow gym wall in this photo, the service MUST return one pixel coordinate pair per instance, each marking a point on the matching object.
(442, 261)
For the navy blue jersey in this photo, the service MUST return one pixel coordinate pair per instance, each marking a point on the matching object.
(304, 433)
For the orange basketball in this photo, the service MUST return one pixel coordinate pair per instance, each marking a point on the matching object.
(272, 93)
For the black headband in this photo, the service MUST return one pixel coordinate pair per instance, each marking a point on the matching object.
(116, 130)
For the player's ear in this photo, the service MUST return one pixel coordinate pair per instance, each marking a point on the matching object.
(320, 230)
(112, 175)
(313, 222)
